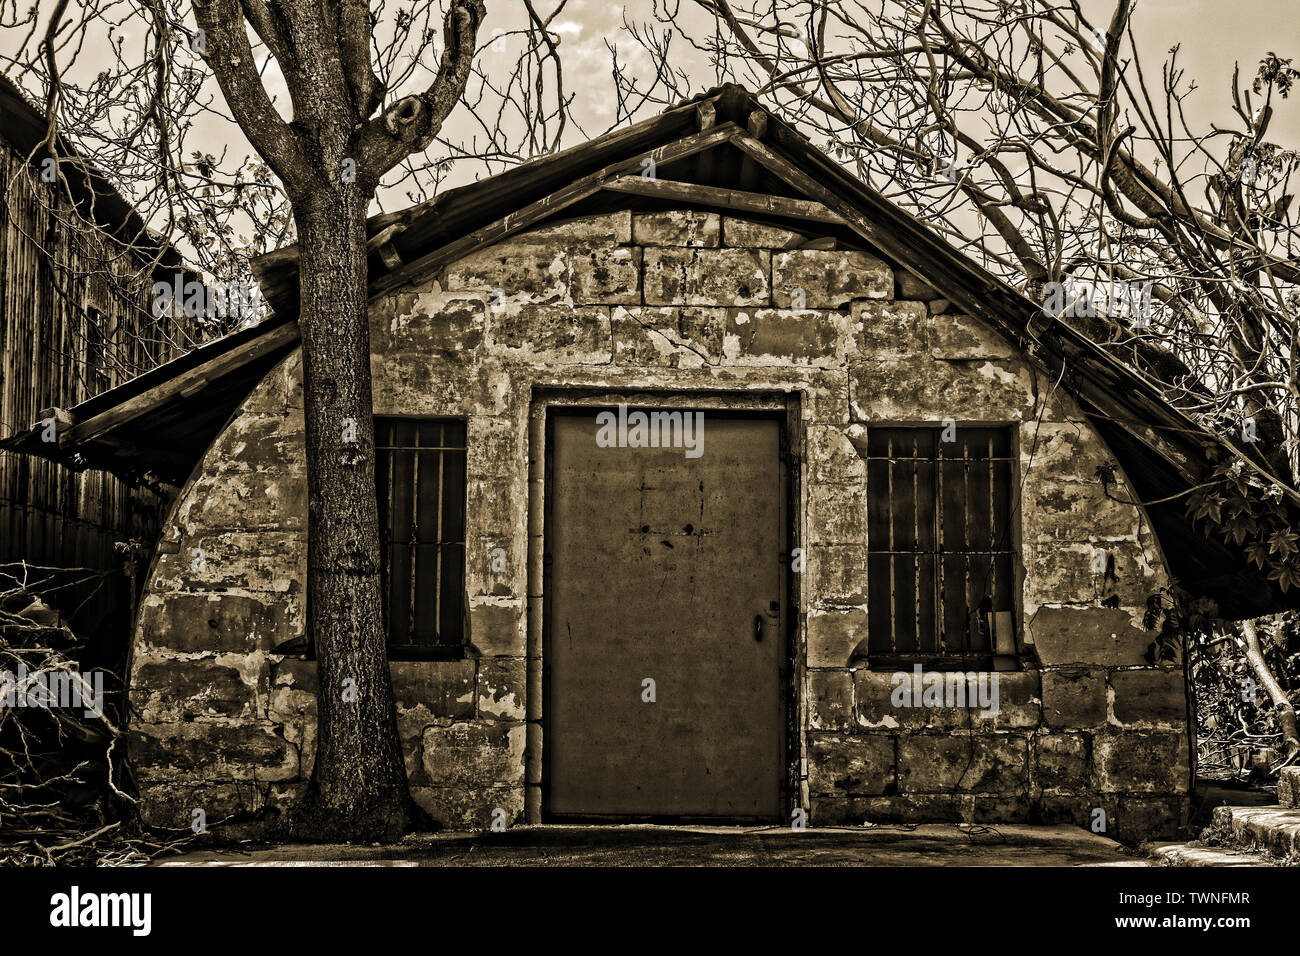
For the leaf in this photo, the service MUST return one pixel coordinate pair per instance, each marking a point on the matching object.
(1283, 542)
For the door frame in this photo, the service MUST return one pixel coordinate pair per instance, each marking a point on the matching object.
(784, 407)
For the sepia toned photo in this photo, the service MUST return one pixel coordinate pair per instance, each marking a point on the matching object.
(439, 435)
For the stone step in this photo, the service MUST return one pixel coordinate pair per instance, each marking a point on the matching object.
(1275, 829)
(1184, 854)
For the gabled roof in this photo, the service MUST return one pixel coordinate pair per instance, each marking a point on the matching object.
(733, 155)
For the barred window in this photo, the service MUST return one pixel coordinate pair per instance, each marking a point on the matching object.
(420, 479)
(941, 574)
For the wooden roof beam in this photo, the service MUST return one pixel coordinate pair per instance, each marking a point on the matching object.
(549, 205)
(734, 199)
(181, 386)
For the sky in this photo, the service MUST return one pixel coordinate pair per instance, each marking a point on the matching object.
(1212, 35)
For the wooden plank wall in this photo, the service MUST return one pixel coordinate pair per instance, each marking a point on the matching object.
(53, 353)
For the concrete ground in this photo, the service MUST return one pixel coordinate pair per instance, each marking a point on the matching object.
(645, 845)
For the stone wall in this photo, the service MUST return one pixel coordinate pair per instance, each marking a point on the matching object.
(694, 303)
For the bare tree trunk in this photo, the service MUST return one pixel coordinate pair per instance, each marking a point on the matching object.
(1285, 712)
(358, 788)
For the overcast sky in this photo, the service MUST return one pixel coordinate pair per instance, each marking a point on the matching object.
(1212, 33)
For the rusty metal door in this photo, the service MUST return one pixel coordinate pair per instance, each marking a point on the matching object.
(666, 649)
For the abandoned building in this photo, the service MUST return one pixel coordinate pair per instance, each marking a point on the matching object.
(869, 455)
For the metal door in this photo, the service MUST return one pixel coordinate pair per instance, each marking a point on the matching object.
(665, 590)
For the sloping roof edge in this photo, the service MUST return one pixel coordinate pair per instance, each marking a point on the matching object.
(1162, 448)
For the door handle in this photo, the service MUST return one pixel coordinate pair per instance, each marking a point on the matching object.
(758, 627)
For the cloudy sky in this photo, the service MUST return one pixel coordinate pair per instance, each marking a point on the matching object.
(1212, 34)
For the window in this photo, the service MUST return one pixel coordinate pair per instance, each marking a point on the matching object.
(420, 478)
(940, 565)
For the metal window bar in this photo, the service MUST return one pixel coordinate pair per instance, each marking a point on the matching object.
(420, 469)
(944, 544)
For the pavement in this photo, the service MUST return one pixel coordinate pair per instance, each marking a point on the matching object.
(646, 845)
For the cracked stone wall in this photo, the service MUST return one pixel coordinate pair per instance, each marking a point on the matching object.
(689, 301)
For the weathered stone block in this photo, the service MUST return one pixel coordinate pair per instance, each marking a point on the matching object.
(785, 337)
(280, 392)
(834, 634)
(816, 279)
(226, 561)
(471, 808)
(1019, 699)
(445, 689)
(168, 689)
(1061, 571)
(429, 320)
(248, 750)
(605, 275)
(852, 765)
(954, 336)
(735, 277)
(913, 808)
(1067, 451)
(982, 701)
(257, 444)
(217, 622)
(830, 700)
(611, 226)
(556, 334)
(835, 810)
(1062, 761)
(497, 629)
(296, 672)
(1004, 809)
(467, 754)
(248, 500)
(410, 384)
(889, 390)
(538, 272)
(985, 763)
(832, 456)
(172, 805)
(742, 233)
(677, 227)
(1138, 818)
(668, 336)
(1087, 635)
(1154, 761)
(1074, 511)
(1288, 787)
(502, 688)
(1150, 696)
(837, 573)
(890, 330)
(838, 515)
(1074, 698)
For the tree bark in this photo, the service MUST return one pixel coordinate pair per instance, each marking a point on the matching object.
(358, 788)
(1281, 702)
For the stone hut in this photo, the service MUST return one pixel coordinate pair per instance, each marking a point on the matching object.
(714, 487)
